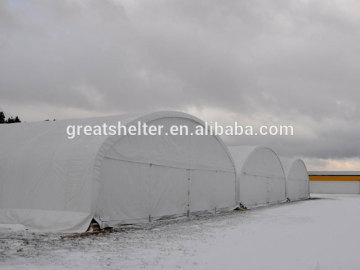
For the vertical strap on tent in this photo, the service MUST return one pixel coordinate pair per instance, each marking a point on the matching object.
(150, 205)
(268, 183)
(188, 192)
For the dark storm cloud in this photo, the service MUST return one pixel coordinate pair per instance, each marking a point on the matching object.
(296, 62)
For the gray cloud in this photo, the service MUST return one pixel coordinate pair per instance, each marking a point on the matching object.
(294, 62)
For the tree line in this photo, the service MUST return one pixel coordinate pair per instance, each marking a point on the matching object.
(9, 120)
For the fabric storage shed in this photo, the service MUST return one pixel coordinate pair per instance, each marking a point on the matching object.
(297, 179)
(51, 183)
(261, 178)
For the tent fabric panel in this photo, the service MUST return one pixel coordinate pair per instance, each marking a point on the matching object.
(260, 175)
(167, 161)
(41, 170)
(276, 190)
(210, 190)
(168, 191)
(131, 192)
(47, 220)
(297, 183)
(297, 179)
(297, 190)
(253, 190)
(264, 162)
(173, 150)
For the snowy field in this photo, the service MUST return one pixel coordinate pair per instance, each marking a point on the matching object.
(315, 234)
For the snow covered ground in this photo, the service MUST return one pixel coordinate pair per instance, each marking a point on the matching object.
(314, 234)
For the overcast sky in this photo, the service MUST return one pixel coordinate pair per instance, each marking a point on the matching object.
(255, 62)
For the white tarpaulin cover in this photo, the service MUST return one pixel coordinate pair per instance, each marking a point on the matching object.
(297, 178)
(51, 183)
(261, 178)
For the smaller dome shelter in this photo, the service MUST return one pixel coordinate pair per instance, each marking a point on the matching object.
(297, 179)
(260, 176)
(49, 182)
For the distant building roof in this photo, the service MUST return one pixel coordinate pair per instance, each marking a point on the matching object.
(334, 172)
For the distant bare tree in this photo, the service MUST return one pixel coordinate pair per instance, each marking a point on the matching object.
(10, 120)
(2, 118)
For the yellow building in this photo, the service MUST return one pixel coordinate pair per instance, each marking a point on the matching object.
(342, 182)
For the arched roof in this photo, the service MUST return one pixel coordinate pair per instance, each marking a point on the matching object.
(260, 175)
(297, 179)
(112, 140)
(243, 153)
(36, 158)
(294, 167)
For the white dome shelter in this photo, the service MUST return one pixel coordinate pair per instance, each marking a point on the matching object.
(297, 179)
(261, 178)
(51, 183)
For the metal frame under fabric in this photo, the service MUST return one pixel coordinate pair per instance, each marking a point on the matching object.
(297, 179)
(260, 176)
(51, 183)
